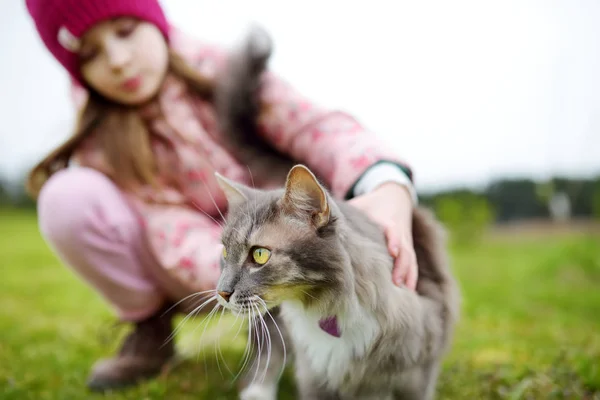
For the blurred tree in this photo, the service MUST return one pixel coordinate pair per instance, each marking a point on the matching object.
(582, 197)
(466, 215)
(544, 191)
(516, 199)
(4, 195)
(520, 199)
(596, 200)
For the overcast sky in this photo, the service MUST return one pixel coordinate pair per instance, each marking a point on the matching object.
(464, 90)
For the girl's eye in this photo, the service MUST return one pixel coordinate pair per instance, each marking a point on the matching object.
(261, 255)
(126, 28)
(87, 55)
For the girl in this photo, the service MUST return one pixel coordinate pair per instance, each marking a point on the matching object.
(130, 201)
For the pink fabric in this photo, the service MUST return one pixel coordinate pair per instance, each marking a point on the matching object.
(182, 237)
(70, 19)
(94, 230)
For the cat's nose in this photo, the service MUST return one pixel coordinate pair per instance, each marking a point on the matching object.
(225, 295)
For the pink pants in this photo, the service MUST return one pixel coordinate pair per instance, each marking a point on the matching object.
(89, 224)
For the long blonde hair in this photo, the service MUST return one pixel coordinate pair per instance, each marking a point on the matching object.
(124, 139)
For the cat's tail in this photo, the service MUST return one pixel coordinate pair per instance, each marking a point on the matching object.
(436, 279)
(238, 108)
(237, 88)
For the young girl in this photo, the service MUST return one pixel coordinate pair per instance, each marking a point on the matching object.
(130, 201)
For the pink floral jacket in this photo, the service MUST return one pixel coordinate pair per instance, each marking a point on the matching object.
(184, 240)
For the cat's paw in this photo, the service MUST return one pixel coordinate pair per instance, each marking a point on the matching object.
(258, 391)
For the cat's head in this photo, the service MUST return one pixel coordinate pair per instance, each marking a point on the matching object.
(279, 244)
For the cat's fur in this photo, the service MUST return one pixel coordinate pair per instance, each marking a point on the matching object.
(328, 259)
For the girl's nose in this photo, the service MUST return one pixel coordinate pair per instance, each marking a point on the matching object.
(118, 55)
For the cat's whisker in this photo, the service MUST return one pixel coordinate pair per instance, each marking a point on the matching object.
(268, 338)
(259, 343)
(205, 292)
(257, 359)
(237, 316)
(249, 342)
(212, 198)
(308, 294)
(254, 187)
(201, 296)
(218, 353)
(207, 214)
(264, 304)
(244, 355)
(196, 328)
(219, 346)
(217, 358)
(193, 313)
(246, 348)
(207, 322)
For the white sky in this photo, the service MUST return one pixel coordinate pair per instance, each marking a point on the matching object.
(461, 89)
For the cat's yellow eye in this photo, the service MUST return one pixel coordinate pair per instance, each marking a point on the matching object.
(261, 255)
(224, 252)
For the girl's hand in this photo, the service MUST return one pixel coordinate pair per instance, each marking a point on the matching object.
(390, 205)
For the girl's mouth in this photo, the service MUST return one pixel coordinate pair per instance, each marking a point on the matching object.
(132, 84)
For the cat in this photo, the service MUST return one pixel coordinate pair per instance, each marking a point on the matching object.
(327, 277)
(325, 264)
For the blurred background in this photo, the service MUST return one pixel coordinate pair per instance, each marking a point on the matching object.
(496, 106)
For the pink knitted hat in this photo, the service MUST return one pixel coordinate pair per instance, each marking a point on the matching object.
(61, 23)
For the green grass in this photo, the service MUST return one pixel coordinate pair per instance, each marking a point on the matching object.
(530, 326)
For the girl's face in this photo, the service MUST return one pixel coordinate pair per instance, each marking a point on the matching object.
(124, 59)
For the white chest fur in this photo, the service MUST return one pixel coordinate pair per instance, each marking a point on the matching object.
(330, 356)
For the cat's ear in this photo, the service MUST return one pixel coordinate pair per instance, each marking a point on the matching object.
(304, 196)
(235, 193)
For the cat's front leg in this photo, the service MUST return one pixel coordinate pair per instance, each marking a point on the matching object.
(308, 392)
(309, 386)
(420, 384)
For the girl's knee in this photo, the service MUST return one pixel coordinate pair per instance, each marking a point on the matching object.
(69, 200)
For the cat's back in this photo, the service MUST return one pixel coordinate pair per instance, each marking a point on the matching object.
(429, 242)
(360, 227)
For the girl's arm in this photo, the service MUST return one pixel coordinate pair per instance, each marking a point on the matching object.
(333, 144)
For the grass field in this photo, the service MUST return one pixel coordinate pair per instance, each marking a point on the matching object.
(530, 327)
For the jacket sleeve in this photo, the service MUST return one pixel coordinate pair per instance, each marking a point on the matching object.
(338, 148)
(382, 172)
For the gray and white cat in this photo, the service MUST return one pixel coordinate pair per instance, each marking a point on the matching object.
(322, 269)
(354, 334)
